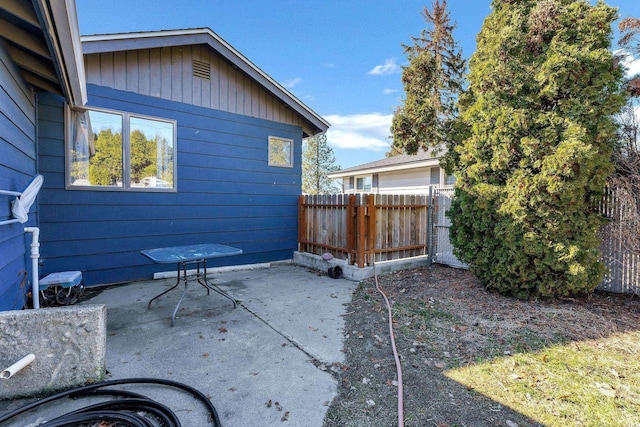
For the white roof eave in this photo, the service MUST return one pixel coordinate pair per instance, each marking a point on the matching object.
(125, 41)
(63, 37)
(382, 169)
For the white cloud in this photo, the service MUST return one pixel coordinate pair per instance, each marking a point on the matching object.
(632, 65)
(390, 91)
(360, 131)
(389, 67)
(293, 82)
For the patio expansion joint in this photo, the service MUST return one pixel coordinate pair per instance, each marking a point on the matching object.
(314, 359)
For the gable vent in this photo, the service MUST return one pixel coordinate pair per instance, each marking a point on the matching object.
(201, 69)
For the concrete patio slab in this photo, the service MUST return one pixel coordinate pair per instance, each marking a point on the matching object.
(268, 362)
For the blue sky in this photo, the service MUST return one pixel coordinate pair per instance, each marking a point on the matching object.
(342, 59)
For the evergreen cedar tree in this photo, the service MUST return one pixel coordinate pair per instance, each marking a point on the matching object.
(432, 83)
(534, 154)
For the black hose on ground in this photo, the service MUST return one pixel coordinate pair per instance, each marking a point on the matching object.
(128, 409)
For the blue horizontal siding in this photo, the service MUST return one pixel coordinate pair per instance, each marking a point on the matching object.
(17, 168)
(57, 196)
(226, 193)
(117, 230)
(69, 215)
(113, 247)
(15, 143)
(13, 249)
(13, 294)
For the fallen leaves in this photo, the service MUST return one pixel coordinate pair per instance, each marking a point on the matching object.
(444, 320)
(271, 404)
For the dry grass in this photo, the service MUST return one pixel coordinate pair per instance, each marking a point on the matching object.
(587, 383)
(475, 358)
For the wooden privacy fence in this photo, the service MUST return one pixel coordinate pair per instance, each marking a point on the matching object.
(364, 228)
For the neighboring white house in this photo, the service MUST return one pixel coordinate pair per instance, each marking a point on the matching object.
(401, 174)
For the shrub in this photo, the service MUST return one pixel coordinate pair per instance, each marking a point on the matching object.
(539, 113)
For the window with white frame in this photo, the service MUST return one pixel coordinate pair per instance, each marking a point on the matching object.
(363, 183)
(120, 151)
(280, 152)
(449, 179)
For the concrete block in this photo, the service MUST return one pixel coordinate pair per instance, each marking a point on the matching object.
(69, 344)
(352, 272)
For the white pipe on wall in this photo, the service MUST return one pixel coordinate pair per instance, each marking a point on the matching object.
(35, 255)
(20, 212)
(17, 367)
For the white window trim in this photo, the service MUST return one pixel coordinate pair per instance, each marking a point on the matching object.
(363, 177)
(126, 178)
(443, 179)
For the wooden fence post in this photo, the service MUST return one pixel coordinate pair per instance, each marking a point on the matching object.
(360, 232)
(351, 227)
(430, 233)
(371, 228)
(302, 225)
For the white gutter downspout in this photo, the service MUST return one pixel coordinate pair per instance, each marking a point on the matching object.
(35, 255)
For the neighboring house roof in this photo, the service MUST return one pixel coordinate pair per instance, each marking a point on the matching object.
(102, 43)
(394, 163)
(43, 40)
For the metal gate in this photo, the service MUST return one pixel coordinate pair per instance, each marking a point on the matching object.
(618, 242)
(443, 249)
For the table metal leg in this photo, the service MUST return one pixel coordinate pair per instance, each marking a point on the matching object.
(184, 292)
(170, 289)
(214, 287)
(201, 279)
(198, 274)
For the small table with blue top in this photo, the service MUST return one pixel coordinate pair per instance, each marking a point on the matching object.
(190, 254)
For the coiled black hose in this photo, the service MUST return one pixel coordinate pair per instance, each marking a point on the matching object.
(127, 409)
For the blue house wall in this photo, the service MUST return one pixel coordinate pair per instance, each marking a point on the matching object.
(17, 168)
(226, 193)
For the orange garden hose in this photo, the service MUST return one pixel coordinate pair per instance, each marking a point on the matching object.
(395, 351)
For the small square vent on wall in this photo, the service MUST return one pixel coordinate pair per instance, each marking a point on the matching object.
(201, 69)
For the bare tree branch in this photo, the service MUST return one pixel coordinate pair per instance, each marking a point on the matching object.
(625, 181)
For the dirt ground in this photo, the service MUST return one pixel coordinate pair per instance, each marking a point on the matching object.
(443, 318)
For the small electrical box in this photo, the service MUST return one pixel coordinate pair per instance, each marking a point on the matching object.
(62, 288)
